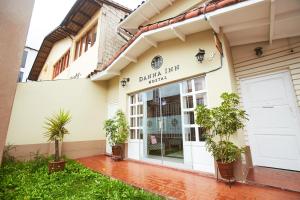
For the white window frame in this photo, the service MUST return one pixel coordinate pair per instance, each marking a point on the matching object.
(135, 116)
(193, 93)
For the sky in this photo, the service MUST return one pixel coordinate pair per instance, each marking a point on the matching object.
(48, 14)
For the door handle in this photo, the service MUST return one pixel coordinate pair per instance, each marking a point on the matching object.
(268, 106)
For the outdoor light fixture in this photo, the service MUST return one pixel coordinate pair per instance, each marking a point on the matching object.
(200, 55)
(124, 81)
(258, 51)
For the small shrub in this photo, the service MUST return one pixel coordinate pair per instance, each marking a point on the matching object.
(56, 130)
(7, 157)
(222, 121)
(117, 129)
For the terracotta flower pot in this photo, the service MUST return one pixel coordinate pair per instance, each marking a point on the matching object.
(118, 152)
(55, 166)
(226, 170)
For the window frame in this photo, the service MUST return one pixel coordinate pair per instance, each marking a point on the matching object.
(138, 130)
(61, 64)
(81, 45)
(184, 110)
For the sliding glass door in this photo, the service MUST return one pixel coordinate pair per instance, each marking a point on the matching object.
(163, 129)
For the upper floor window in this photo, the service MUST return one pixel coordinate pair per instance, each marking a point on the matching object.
(86, 41)
(24, 58)
(61, 64)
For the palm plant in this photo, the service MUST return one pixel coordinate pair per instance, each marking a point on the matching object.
(55, 129)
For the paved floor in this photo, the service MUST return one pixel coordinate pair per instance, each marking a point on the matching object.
(288, 180)
(179, 184)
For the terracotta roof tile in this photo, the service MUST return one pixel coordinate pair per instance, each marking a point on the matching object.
(212, 6)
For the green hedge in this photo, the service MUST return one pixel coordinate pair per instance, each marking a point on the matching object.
(30, 180)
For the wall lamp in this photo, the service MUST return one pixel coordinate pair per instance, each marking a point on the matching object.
(200, 55)
(258, 51)
(124, 81)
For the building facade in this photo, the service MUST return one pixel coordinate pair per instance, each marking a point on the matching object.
(165, 82)
(28, 58)
(157, 80)
(81, 43)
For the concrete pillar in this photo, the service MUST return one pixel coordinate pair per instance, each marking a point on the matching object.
(15, 18)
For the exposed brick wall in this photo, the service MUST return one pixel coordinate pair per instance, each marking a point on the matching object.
(110, 41)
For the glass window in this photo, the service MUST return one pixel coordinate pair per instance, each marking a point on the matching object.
(94, 34)
(77, 49)
(83, 43)
(193, 93)
(136, 115)
(188, 102)
(140, 109)
(132, 110)
(187, 86)
(189, 117)
(140, 97)
(200, 99)
(132, 122)
(88, 40)
(132, 99)
(24, 58)
(199, 83)
(140, 134)
(20, 77)
(132, 134)
(139, 121)
(190, 134)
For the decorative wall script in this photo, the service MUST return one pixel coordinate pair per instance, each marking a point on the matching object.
(158, 75)
(76, 76)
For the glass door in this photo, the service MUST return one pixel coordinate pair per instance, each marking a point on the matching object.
(162, 124)
(153, 145)
(172, 139)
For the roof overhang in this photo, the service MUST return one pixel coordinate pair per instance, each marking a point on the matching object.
(243, 23)
(151, 39)
(257, 21)
(143, 14)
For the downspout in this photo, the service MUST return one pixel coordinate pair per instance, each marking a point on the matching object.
(221, 54)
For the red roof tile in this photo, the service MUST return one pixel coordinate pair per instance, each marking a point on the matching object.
(212, 6)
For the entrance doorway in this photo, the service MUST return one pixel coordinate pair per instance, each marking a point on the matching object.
(163, 128)
(164, 139)
(274, 125)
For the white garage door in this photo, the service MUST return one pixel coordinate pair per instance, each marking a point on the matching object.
(274, 125)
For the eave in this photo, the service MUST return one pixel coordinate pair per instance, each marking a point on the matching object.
(143, 14)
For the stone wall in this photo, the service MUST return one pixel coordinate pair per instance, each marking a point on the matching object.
(109, 38)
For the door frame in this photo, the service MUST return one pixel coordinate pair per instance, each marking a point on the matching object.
(292, 100)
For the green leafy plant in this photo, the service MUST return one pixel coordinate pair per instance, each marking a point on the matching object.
(220, 123)
(7, 157)
(56, 130)
(117, 129)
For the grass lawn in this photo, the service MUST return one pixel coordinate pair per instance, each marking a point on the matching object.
(30, 180)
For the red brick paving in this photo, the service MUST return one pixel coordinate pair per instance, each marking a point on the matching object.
(179, 184)
(289, 180)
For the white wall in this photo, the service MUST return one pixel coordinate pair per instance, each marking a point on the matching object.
(34, 101)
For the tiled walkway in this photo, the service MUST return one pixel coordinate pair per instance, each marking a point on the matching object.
(179, 184)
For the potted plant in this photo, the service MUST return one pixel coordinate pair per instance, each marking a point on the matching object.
(55, 131)
(117, 131)
(220, 123)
